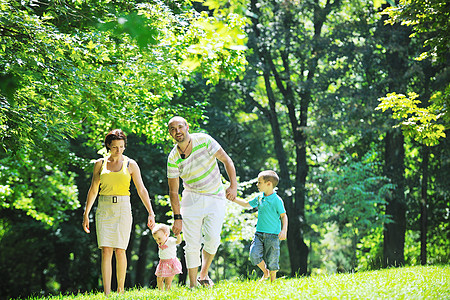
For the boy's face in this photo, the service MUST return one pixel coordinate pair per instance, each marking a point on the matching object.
(264, 186)
(160, 237)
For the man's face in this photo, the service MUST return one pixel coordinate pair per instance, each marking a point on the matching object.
(178, 130)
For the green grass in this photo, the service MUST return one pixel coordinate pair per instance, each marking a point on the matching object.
(428, 282)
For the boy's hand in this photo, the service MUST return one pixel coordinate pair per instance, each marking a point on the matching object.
(282, 235)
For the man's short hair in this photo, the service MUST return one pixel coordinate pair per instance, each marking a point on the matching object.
(177, 118)
(271, 176)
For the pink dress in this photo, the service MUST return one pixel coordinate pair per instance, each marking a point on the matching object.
(169, 265)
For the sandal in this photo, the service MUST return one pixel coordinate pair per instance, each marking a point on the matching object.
(207, 282)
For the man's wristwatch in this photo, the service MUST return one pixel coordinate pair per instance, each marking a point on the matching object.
(177, 217)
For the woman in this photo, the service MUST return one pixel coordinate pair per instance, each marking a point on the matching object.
(112, 176)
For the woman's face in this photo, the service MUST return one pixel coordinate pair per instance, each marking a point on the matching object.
(117, 147)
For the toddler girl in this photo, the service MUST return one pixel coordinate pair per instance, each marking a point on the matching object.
(169, 265)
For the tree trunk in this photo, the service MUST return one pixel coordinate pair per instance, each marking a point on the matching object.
(394, 233)
(298, 251)
(62, 253)
(297, 103)
(423, 206)
(429, 72)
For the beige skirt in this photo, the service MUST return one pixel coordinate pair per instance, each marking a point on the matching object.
(113, 221)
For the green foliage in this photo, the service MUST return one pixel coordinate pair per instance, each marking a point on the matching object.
(429, 23)
(36, 258)
(123, 74)
(371, 255)
(355, 196)
(416, 122)
(37, 188)
(438, 245)
(354, 200)
(428, 19)
(438, 183)
(77, 68)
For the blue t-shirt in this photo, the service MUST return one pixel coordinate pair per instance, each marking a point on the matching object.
(269, 210)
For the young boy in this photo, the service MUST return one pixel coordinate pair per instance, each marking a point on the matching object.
(271, 227)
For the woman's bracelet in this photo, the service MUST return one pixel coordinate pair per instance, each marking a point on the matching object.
(177, 217)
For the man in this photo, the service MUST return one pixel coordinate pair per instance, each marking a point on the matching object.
(202, 210)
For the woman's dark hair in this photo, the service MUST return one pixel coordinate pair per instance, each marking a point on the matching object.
(113, 135)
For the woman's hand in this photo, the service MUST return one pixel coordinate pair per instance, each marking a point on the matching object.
(86, 224)
(151, 221)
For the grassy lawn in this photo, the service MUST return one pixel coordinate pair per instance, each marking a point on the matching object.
(430, 282)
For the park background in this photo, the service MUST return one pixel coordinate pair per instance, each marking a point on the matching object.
(346, 100)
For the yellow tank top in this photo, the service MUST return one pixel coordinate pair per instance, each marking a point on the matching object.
(115, 183)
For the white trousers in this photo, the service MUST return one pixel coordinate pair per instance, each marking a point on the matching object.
(203, 217)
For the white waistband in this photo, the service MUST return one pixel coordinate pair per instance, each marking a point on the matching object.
(114, 199)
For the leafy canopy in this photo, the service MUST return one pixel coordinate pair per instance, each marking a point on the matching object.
(80, 68)
(429, 22)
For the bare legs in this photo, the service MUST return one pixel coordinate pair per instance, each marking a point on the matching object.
(207, 259)
(266, 273)
(164, 282)
(121, 267)
(107, 254)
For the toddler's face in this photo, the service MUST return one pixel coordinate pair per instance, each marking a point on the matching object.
(160, 237)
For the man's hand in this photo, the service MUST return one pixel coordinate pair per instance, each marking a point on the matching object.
(231, 193)
(177, 226)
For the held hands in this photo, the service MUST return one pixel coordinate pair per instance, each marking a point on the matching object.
(231, 193)
(179, 239)
(282, 235)
(151, 221)
(177, 226)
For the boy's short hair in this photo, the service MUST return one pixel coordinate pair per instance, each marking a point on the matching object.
(269, 175)
(165, 228)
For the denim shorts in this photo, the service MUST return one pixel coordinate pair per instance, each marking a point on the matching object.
(266, 246)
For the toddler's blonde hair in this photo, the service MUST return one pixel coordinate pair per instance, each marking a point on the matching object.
(165, 228)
